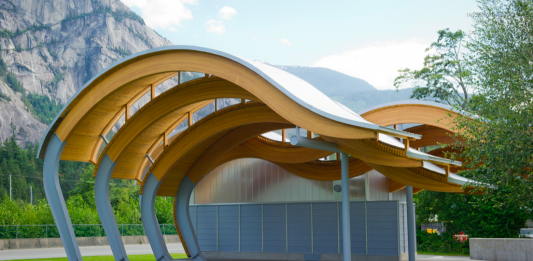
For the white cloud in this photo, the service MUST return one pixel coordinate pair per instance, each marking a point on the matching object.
(173, 29)
(285, 41)
(162, 13)
(378, 63)
(255, 38)
(215, 27)
(227, 12)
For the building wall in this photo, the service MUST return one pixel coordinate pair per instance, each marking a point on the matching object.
(256, 180)
(297, 227)
(252, 205)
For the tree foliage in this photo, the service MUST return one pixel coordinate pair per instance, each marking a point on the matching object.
(446, 76)
(476, 216)
(498, 143)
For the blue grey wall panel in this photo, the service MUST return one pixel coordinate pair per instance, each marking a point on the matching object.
(274, 228)
(251, 228)
(357, 227)
(192, 215)
(228, 228)
(325, 228)
(383, 228)
(299, 228)
(207, 227)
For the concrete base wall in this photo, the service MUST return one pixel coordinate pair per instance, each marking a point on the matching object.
(28, 243)
(219, 256)
(501, 249)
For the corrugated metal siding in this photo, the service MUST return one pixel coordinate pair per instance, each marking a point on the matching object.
(378, 186)
(299, 228)
(257, 180)
(206, 229)
(194, 220)
(403, 227)
(325, 228)
(399, 195)
(275, 228)
(228, 228)
(382, 227)
(357, 227)
(309, 227)
(251, 228)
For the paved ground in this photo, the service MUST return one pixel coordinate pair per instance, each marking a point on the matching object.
(85, 251)
(143, 249)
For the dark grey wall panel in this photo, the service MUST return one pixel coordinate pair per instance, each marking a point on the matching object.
(192, 215)
(207, 228)
(251, 228)
(274, 228)
(228, 228)
(299, 228)
(357, 227)
(325, 228)
(383, 228)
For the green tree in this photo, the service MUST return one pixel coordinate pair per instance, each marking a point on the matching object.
(445, 77)
(476, 216)
(498, 144)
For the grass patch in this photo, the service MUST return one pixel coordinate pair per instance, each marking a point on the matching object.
(147, 257)
(440, 254)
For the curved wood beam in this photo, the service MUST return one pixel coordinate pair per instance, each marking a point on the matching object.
(84, 131)
(316, 170)
(226, 143)
(411, 113)
(419, 178)
(373, 152)
(226, 119)
(97, 103)
(283, 154)
(431, 135)
(133, 140)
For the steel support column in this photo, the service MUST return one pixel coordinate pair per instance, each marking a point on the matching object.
(150, 223)
(103, 206)
(184, 219)
(55, 199)
(411, 233)
(346, 240)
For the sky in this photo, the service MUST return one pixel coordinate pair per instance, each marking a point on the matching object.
(370, 40)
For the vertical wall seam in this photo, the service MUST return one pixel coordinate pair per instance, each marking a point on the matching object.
(262, 229)
(217, 227)
(239, 228)
(398, 224)
(286, 228)
(366, 227)
(312, 233)
(338, 229)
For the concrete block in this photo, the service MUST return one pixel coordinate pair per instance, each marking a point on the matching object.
(501, 249)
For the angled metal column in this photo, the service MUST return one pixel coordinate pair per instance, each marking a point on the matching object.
(150, 223)
(411, 233)
(346, 240)
(184, 220)
(55, 198)
(103, 206)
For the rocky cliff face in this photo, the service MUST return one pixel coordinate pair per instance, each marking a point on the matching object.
(52, 47)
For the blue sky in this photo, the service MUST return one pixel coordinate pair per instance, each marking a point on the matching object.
(370, 40)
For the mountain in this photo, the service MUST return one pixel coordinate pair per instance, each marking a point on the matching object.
(49, 49)
(328, 81)
(355, 93)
